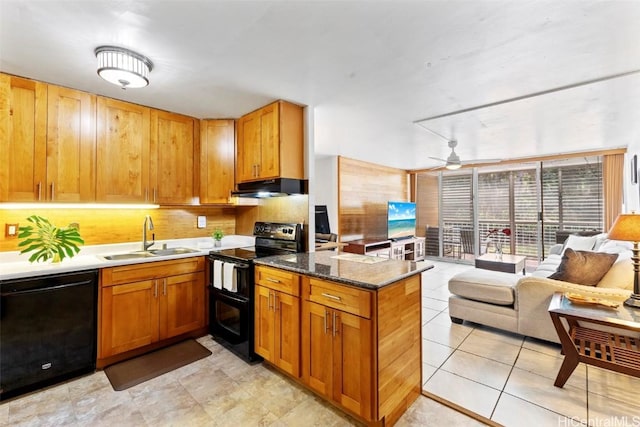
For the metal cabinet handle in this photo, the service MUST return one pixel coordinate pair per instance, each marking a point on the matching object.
(53, 192)
(40, 191)
(334, 326)
(155, 289)
(269, 304)
(269, 279)
(326, 313)
(154, 194)
(333, 297)
(164, 290)
(275, 302)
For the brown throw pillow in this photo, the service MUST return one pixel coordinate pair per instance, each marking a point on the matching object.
(583, 267)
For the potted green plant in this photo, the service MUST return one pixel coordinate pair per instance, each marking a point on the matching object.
(217, 237)
(48, 242)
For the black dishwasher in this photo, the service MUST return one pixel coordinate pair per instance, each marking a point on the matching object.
(48, 330)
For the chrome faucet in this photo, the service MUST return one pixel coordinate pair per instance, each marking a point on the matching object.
(145, 245)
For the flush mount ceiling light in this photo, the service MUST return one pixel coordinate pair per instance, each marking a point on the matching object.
(123, 67)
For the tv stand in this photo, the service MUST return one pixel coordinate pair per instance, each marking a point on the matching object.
(411, 249)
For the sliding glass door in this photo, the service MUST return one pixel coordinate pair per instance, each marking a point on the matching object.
(519, 206)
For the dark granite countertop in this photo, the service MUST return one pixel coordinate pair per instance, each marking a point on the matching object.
(343, 267)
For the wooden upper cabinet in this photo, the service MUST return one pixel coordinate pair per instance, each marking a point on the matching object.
(172, 158)
(23, 139)
(48, 153)
(248, 147)
(217, 145)
(71, 145)
(123, 158)
(270, 143)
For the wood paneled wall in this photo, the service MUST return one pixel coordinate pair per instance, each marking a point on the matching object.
(427, 199)
(101, 226)
(364, 190)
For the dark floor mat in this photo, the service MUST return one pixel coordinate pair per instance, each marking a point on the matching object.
(143, 368)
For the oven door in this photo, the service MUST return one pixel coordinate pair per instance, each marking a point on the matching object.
(231, 323)
(229, 316)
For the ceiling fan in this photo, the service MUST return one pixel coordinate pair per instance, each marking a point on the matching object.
(453, 162)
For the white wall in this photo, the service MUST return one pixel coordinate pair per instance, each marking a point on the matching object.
(326, 187)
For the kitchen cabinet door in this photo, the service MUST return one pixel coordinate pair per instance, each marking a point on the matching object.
(337, 354)
(248, 147)
(71, 145)
(287, 333)
(23, 139)
(123, 157)
(317, 348)
(277, 329)
(269, 164)
(264, 323)
(129, 317)
(352, 362)
(172, 162)
(217, 148)
(182, 304)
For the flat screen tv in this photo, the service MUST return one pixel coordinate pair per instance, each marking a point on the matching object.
(322, 220)
(401, 220)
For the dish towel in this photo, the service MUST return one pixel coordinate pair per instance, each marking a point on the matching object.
(229, 277)
(217, 274)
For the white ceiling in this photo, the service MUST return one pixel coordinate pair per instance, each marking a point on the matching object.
(370, 69)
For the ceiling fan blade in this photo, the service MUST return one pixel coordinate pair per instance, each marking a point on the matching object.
(437, 158)
(477, 161)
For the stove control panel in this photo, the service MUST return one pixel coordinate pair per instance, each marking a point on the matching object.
(274, 230)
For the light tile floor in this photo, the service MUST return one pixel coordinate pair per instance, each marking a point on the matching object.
(508, 378)
(503, 377)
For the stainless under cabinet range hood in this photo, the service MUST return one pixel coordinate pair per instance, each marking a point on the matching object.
(271, 188)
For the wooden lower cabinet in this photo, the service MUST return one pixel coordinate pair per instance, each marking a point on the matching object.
(337, 353)
(359, 348)
(277, 318)
(142, 304)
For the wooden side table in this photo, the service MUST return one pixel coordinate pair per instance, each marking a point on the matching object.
(507, 264)
(617, 351)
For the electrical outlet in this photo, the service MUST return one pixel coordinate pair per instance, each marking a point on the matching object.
(202, 222)
(11, 230)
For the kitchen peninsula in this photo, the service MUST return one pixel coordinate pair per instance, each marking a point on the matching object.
(346, 326)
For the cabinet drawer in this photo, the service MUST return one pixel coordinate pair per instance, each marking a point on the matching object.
(149, 270)
(345, 298)
(279, 280)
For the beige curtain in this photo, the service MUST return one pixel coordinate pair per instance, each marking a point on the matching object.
(612, 180)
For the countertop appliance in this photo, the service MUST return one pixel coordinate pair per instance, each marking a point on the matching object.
(48, 332)
(231, 311)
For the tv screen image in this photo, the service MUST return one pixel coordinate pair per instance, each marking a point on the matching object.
(401, 220)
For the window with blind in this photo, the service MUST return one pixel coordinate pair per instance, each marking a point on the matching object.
(571, 199)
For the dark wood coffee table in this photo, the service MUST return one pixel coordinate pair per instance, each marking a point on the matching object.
(584, 342)
(506, 264)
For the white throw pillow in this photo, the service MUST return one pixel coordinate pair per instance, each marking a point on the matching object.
(580, 243)
(615, 247)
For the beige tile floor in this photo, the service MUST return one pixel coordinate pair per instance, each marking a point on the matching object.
(502, 377)
(508, 378)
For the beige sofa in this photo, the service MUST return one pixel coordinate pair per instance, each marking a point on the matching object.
(519, 303)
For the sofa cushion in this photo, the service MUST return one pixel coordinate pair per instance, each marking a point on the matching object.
(583, 267)
(493, 287)
(547, 266)
(620, 275)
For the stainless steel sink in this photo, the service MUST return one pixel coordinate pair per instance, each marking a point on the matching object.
(130, 255)
(172, 251)
(149, 254)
